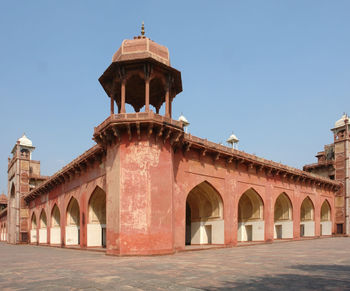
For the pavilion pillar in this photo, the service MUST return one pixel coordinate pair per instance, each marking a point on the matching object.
(122, 107)
(147, 79)
(112, 106)
(170, 107)
(167, 100)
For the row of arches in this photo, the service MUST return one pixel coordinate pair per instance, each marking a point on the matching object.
(205, 220)
(96, 223)
(205, 223)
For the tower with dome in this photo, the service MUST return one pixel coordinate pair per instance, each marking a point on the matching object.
(23, 176)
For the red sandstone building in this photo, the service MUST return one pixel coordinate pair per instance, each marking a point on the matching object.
(148, 187)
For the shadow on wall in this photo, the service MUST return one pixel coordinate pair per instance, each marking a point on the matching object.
(319, 277)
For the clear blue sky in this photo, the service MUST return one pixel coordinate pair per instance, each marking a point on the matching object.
(277, 73)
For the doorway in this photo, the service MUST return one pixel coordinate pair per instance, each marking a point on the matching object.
(208, 233)
(279, 231)
(302, 230)
(249, 232)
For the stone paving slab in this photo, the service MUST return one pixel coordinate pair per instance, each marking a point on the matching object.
(322, 264)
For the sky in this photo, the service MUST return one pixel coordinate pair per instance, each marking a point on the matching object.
(276, 73)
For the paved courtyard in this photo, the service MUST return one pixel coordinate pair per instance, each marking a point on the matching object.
(322, 264)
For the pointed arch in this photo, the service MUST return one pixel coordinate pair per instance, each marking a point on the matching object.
(283, 217)
(33, 228)
(251, 225)
(325, 211)
(326, 219)
(43, 219)
(307, 216)
(73, 222)
(250, 206)
(97, 206)
(96, 227)
(307, 210)
(55, 229)
(204, 215)
(73, 212)
(205, 202)
(55, 216)
(283, 209)
(43, 227)
(33, 221)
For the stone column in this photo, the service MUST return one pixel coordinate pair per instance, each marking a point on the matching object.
(122, 109)
(167, 101)
(112, 106)
(147, 81)
(269, 214)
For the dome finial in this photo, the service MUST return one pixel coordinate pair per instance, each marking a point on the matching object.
(143, 29)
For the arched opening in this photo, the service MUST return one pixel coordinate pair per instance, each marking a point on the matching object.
(326, 222)
(204, 216)
(96, 228)
(134, 89)
(33, 227)
(73, 223)
(307, 223)
(55, 230)
(250, 217)
(157, 93)
(43, 228)
(283, 217)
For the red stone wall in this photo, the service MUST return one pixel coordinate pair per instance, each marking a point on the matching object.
(231, 182)
(147, 183)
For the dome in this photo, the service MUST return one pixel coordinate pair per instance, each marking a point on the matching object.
(141, 47)
(232, 139)
(341, 121)
(25, 141)
(183, 120)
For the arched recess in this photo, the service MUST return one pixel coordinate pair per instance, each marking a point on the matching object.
(73, 223)
(43, 228)
(283, 219)
(204, 216)
(307, 223)
(33, 227)
(55, 229)
(326, 221)
(96, 227)
(251, 217)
